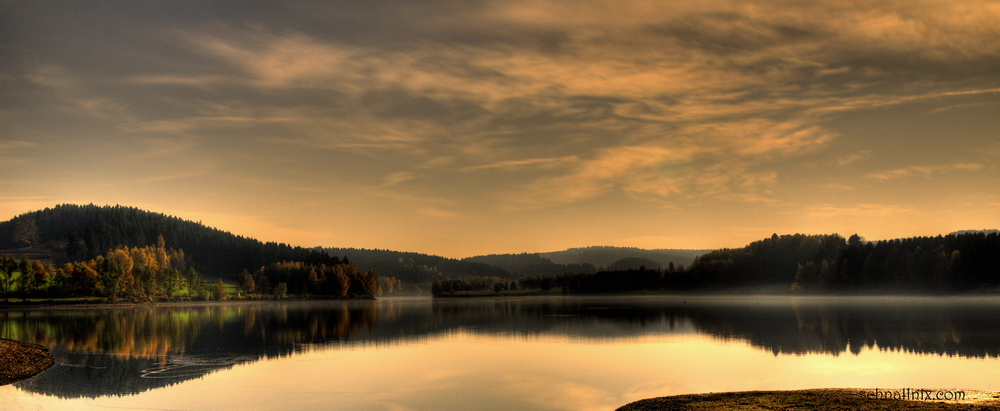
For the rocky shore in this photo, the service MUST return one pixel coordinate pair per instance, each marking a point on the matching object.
(820, 399)
(20, 360)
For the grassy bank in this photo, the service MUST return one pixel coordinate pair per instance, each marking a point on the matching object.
(819, 399)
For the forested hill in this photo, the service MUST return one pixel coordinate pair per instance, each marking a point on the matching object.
(74, 232)
(953, 263)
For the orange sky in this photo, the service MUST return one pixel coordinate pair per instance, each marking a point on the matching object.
(460, 128)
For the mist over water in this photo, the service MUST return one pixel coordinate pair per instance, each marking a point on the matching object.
(404, 352)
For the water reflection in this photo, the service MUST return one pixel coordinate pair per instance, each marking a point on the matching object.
(117, 351)
(127, 350)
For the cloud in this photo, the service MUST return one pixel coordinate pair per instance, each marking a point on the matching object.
(853, 158)
(833, 212)
(923, 171)
(635, 70)
(519, 164)
(397, 177)
(993, 150)
(12, 145)
(595, 176)
(720, 160)
(655, 100)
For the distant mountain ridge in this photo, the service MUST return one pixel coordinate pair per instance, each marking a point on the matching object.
(974, 232)
(417, 268)
(586, 260)
(606, 256)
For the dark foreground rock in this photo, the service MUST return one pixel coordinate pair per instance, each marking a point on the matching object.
(822, 399)
(20, 360)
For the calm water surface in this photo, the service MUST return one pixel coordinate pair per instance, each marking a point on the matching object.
(532, 353)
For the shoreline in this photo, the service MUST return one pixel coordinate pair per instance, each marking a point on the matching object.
(825, 399)
(21, 360)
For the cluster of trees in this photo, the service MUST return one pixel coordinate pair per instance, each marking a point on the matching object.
(772, 260)
(136, 274)
(33, 275)
(295, 277)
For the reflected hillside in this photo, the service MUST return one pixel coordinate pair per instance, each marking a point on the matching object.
(117, 351)
(127, 350)
(958, 326)
(952, 326)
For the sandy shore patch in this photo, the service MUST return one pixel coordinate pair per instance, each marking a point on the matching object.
(820, 399)
(20, 360)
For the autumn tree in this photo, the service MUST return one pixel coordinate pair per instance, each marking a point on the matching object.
(219, 291)
(112, 277)
(41, 274)
(7, 267)
(262, 284)
(80, 279)
(246, 282)
(172, 281)
(26, 282)
(194, 285)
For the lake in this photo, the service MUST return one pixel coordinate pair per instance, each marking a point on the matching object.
(525, 353)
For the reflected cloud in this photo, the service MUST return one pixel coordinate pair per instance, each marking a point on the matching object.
(565, 395)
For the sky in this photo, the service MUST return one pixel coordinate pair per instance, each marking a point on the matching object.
(461, 128)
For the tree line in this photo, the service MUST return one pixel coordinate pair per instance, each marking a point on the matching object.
(123, 273)
(338, 280)
(156, 272)
(798, 263)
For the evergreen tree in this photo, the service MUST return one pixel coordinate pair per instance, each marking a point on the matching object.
(72, 246)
